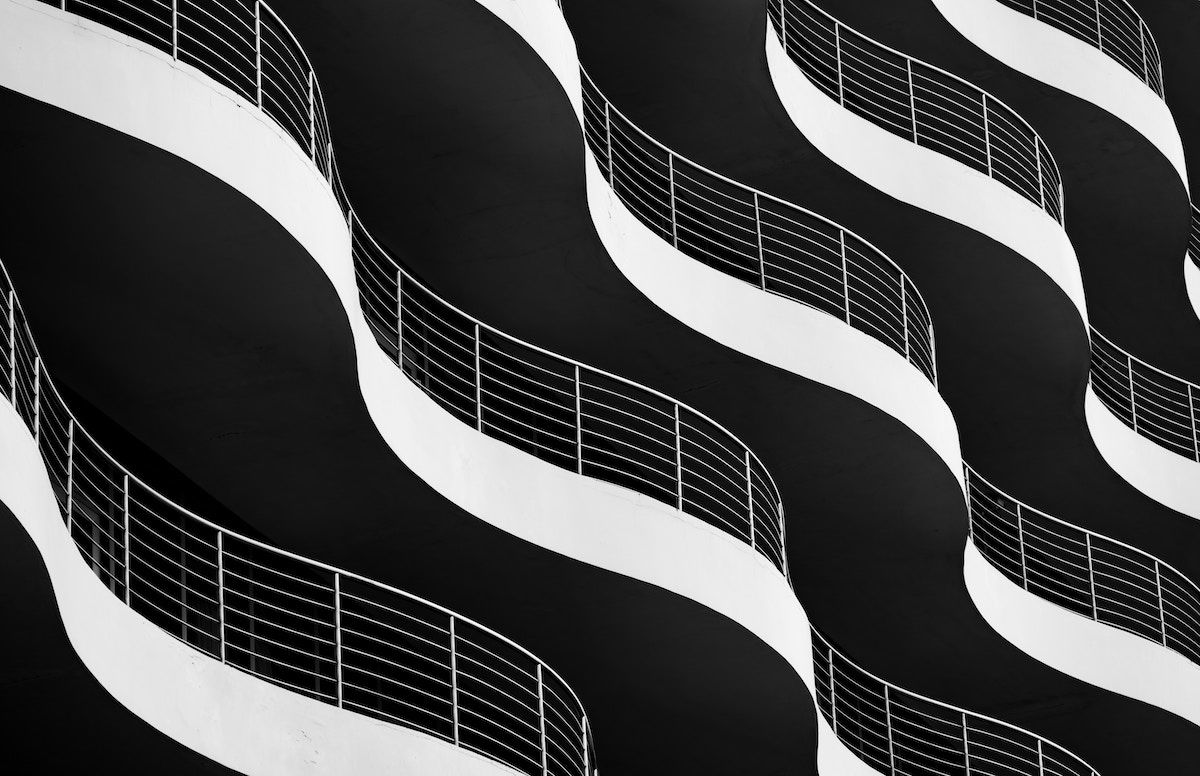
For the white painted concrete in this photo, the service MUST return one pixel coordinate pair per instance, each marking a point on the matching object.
(82, 67)
(1099, 654)
(1065, 62)
(1161, 474)
(241, 722)
(769, 327)
(1191, 279)
(925, 178)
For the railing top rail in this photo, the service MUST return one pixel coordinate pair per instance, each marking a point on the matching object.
(948, 74)
(972, 473)
(949, 706)
(48, 381)
(483, 326)
(1142, 362)
(757, 192)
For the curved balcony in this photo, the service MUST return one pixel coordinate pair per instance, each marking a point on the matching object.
(919, 102)
(1112, 26)
(559, 410)
(312, 629)
(757, 238)
(900, 732)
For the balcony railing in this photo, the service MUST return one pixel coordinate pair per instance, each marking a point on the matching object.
(898, 732)
(918, 102)
(1084, 572)
(559, 410)
(1194, 237)
(1112, 26)
(1159, 406)
(757, 238)
(312, 629)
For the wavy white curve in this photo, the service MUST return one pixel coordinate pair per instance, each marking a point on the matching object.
(925, 178)
(242, 722)
(1065, 62)
(106, 77)
(1105, 656)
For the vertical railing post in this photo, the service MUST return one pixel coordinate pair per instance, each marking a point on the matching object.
(1192, 414)
(1092, 578)
(782, 23)
(608, 146)
(966, 745)
(221, 590)
(912, 100)
(128, 536)
(1099, 30)
(454, 677)
(1145, 56)
(400, 319)
(12, 346)
(678, 461)
(933, 355)
(578, 421)
(37, 400)
(887, 715)
(783, 542)
(832, 691)
(1037, 162)
(174, 29)
(904, 317)
(845, 272)
(1162, 614)
(1035, 10)
(1041, 759)
(1132, 395)
(1021, 546)
(337, 634)
(750, 499)
(478, 384)
(542, 720)
(312, 118)
(762, 263)
(671, 180)
(587, 763)
(258, 72)
(837, 40)
(987, 135)
(71, 475)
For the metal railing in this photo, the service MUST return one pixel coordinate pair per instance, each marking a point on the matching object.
(757, 238)
(919, 102)
(1193, 249)
(900, 733)
(1112, 26)
(1159, 406)
(557, 409)
(1084, 572)
(307, 627)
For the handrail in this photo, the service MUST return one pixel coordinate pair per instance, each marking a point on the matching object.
(1087, 573)
(919, 102)
(308, 627)
(1155, 404)
(564, 412)
(758, 238)
(898, 732)
(1112, 26)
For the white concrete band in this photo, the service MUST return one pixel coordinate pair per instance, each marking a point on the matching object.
(242, 722)
(1162, 475)
(1105, 656)
(1065, 62)
(925, 178)
(110, 79)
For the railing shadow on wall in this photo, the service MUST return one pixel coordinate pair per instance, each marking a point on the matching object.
(315, 630)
